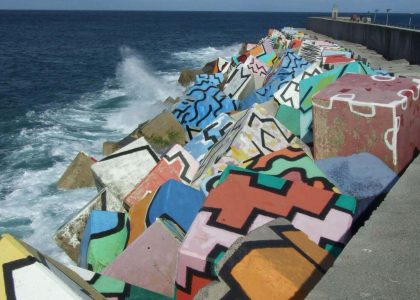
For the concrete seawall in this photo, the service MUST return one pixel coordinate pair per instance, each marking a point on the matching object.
(392, 42)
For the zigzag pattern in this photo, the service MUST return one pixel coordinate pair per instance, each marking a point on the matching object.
(209, 79)
(252, 136)
(255, 199)
(256, 66)
(201, 144)
(293, 252)
(291, 66)
(202, 105)
(238, 81)
(176, 164)
(292, 164)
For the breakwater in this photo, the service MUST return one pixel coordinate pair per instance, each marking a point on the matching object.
(248, 185)
(392, 42)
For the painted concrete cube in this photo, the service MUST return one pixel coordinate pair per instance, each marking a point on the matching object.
(215, 79)
(174, 199)
(69, 235)
(222, 66)
(291, 112)
(241, 82)
(176, 164)
(201, 144)
(291, 66)
(201, 105)
(375, 114)
(27, 274)
(255, 134)
(104, 239)
(150, 261)
(256, 66)
(121, 171)
(265, 53)
(361, 175)
(115, 289)
(245, 200)
(309, 87)
(275, 261)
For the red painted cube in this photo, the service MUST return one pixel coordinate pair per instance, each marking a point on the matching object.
(362, 113)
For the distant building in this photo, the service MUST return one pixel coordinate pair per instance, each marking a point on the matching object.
(334, 13)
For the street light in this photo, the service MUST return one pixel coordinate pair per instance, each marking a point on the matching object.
(387, 12)
(374, 17)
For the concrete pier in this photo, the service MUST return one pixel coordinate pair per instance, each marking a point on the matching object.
(392, 42)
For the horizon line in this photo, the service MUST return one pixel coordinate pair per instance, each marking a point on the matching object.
(213, 11)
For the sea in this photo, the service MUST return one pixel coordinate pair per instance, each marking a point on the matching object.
(70, 80)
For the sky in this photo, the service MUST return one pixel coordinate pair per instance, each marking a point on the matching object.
(218, 5)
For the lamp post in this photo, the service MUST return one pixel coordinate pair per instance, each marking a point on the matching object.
(387, 12)
(374, 17)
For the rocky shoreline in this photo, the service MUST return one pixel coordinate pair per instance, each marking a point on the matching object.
(249, 185)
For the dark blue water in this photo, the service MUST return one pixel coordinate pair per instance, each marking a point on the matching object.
(71, 80)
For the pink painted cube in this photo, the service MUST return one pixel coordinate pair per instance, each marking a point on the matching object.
(362, 113)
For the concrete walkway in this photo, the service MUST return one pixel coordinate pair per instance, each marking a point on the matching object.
(400, 67)
(382, 261)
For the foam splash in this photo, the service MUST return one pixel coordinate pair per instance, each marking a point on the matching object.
(145, 88)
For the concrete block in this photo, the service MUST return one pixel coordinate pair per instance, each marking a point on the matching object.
(362, 175)
(176, 164)
(167, 200)
(222, 65)
(123, 170)
(112, 288)
(292, 113)
(265, 53)
(163, 132)
(310, 86)
(104, 239)
(150, 261)
(201, 144)
(256, 66)
(187, 76)
(275, 261)
(241, 82)
(383, 113)
(245, 200)
(215, 79)
(69, 235)
(201, 105)
(254, 135)
(290, 67)
(78, 174)
(27, 274)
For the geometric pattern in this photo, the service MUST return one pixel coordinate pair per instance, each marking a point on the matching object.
(310, 86)
(27, 274)
(201, 144)
(252, 136)
(275, 261)
(69, 235)
(384, 112)
(201, 105)
(105, 238)
(291, 66)
(245, 200)
(176, 164)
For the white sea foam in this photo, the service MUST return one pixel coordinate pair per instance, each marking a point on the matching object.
(145, 88)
